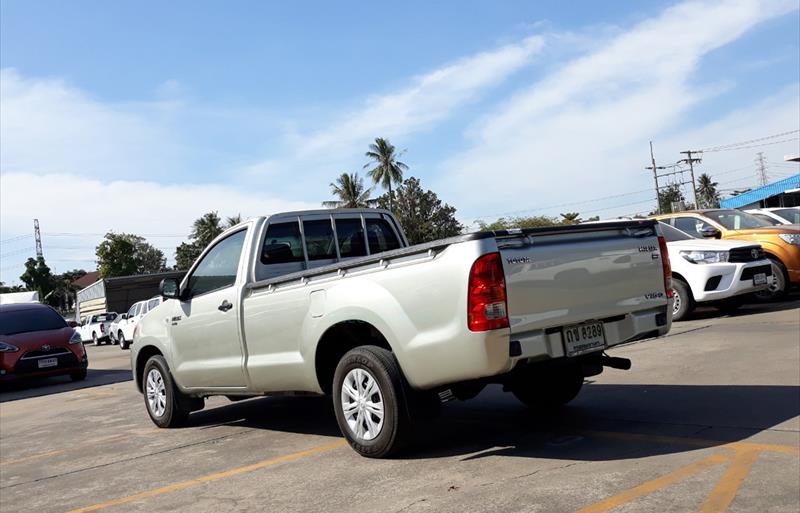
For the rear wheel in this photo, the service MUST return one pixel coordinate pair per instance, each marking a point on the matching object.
(95, 340)
(165, 404)
(123, 344)
(547, 388)
(778, 285)
(369, 397)
(682, 301)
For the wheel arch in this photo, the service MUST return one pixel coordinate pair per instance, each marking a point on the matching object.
(144, 354)
(337, 340)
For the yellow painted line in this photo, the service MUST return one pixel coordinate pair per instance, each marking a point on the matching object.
(696, 442)
(656, 484)
(212, 477)
(72, 447)
(725, 491)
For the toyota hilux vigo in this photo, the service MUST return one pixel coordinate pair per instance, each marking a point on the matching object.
(335, 302)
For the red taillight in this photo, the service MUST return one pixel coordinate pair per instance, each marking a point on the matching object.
(662, 245)
(486, 296)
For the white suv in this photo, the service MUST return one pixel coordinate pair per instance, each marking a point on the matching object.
(777, 216)
(717, 272)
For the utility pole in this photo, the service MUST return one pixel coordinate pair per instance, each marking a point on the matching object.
(761, 169)
(689, 160)
(655, 177)
(38, 237)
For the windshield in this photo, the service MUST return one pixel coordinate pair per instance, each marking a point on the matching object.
(790, 214)
(24, 321)
(736, 219)
(672, 234)
(767, 219)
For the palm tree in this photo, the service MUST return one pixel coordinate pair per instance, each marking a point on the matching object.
(387, 168)
(350, 190)
(206, 228)
(232, 221)
(707, 191)
(571, 218)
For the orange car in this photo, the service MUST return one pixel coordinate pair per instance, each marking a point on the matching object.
(781, 243)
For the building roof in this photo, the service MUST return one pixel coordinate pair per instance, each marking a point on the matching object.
(86, 280)
(761, 193)
(19, 297)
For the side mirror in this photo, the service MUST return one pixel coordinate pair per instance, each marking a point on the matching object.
(709, 232)
(72, 324)
(169, 288)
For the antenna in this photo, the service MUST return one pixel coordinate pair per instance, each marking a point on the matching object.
(38, 236)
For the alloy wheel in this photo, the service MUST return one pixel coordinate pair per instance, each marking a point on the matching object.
(156, 393)
(362, 404)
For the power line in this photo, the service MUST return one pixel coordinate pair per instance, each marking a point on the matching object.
(752, 146)
(18, 237)
(720, 147)
(539, 209)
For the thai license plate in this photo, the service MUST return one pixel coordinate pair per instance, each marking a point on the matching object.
(759, 279)
(48, 362)
(583, 338)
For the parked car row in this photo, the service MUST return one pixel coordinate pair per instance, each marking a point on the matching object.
(122, 328)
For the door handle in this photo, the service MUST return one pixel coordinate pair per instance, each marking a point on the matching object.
(225, 306)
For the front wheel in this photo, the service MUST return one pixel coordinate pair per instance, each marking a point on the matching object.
(78, 375)
(95, 340)
(682, 302)
(165, 404)
(777, 287)
(369, 397)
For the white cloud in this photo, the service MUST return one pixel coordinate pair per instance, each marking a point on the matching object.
(48, 126)
(582, 131)
(430, 98)
(69, 204)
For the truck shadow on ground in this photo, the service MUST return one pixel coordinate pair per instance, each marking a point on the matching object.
(709, 312)
(27, 388)
(606, 422)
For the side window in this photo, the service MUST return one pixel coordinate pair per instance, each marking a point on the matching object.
(380, 236)
(218, 267)
(282, 244)
(351, 238)
(133, 310)
(690, 225)
(319, 240)
(152, 304)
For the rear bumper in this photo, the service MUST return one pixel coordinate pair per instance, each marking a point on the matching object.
(547, 343)
(486, 354)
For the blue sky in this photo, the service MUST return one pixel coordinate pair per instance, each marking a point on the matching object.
(140, 116)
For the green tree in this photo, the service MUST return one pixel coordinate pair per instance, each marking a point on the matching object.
(349, 188)
(386, 169)
(5, 289)
(571, 218)
(507, 223)
(37, 276)
(422, 214)
(668, 196)
(232, 221)
(185, 255)
(707, 194)
(123, 254)
(206, 228)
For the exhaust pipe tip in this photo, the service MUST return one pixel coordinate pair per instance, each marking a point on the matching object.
(616, 362)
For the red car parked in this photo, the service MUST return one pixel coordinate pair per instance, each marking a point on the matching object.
(35, 341)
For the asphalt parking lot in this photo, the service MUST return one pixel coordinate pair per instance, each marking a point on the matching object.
(707, 420)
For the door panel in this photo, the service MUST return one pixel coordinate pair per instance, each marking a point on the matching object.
(207, 352)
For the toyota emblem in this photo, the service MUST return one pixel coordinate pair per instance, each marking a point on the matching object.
(45, 348)
(754, 254)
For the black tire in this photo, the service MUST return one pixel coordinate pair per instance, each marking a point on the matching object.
(78, 375)
(780, 283)
(177, 406)
(682, 300)
(380, 365)
(95, 340)
(547, 388)
(123, 344)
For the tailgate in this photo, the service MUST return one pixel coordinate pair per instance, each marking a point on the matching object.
(564, 275)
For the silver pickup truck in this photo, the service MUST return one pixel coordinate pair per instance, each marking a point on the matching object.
(336, 302)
